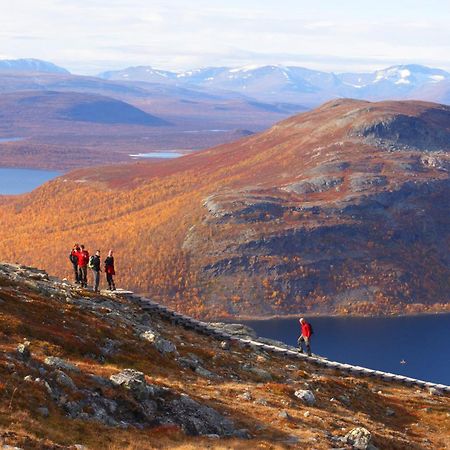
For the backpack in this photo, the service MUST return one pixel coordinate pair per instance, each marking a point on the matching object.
(73, 258)
(91, 264)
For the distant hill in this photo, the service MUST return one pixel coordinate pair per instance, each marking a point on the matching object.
(63, 129)
(343, 210)
(39, 107)
(30, 65)
(297, 84)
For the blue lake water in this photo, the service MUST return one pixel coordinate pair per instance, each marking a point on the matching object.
(19, 181)
(165, 155)
(11, 139)
(423, 342)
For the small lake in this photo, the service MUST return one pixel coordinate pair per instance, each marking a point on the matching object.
(19, 181)
(11, 139)
(165, 155)
(377, 343)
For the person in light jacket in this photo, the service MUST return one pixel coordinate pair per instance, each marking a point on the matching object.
(94, 264)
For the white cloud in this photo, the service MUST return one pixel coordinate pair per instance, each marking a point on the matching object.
(93, 35)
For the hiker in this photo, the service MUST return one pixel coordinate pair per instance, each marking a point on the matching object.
(305, 336)
(83, 260)
(110, 271)
(73, 256)
(94, 265)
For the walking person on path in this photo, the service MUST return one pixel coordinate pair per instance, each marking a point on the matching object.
(83, 260)
(110, 271)
(305, 336)
(94, 265)
(73, 256)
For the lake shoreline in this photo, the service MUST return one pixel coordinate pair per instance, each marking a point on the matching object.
(16, 181)
(324, 315)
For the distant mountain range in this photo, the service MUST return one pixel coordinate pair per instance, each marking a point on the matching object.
(293, 85)
(30, 65)
(303, 86)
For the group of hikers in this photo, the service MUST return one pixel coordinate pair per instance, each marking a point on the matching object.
(82, 261)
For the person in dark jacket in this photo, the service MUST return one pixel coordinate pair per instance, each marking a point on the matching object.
(305, 336)
(73, 256)
(110, 271)
(94, 264)
(83, 260)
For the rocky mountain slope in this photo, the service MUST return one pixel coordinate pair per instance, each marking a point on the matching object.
(96, 371)
(340, 210)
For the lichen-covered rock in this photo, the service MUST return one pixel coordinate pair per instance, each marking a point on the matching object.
(131, 379)
(315, 184)
(60, 363)
(64, 380)
(149, 335)
(306, 396)
(359, 438)
(162, 345)
(165, 346)
(24, 350)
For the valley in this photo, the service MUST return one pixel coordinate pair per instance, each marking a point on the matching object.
(340, 210)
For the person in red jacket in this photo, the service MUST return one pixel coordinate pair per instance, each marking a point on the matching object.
(305, 336)
(83, 260)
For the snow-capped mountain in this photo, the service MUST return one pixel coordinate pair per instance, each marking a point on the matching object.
(139, 73)
(30, 65)
(297, 84)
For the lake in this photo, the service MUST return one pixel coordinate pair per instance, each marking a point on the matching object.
(164, 155)
(19, 181)
(11, 139)
(377, 343)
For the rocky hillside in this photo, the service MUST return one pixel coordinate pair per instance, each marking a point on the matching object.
(340, 210)
(85, 371)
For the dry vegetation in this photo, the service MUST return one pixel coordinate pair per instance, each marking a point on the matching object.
(75, 332)
(222, 263)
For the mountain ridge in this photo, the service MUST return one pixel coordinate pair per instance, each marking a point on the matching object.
(297, 84)
(30, 65)
(330, 211)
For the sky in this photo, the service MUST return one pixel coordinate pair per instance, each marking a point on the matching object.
(91, 36)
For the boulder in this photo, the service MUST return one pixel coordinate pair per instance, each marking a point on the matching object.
(197, 419)
(435, 391)
(24, 350)
(149, 336)
(359, 438)
(64, 380)
(132, 380)
(261, 374)
(205, 373)
(306, 396)
(164, 346)
(60, 363)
